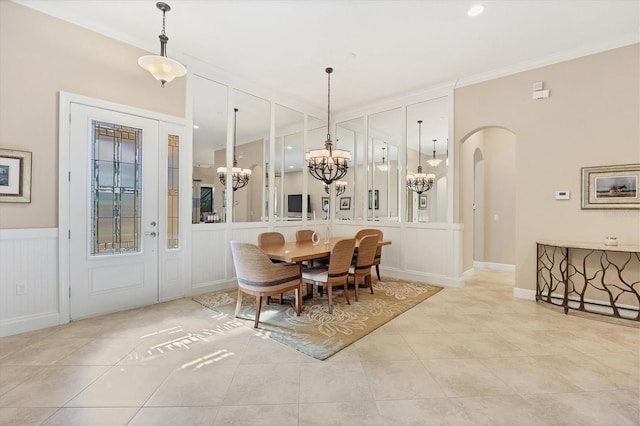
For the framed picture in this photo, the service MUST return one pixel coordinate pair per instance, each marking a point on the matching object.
(15, 176)
(325, 204)
(345, 203)
(422, 202)
(373, 199)
(611, 187)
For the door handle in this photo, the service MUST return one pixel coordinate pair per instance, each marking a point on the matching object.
(151, 234)
(153, 223)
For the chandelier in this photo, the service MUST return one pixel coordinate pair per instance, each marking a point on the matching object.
(239, 177)
(420, 182)
(162, 68)
(340, 185)
(328, 164)
(434, 161)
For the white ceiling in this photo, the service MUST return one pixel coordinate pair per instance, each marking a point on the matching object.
(379, 49)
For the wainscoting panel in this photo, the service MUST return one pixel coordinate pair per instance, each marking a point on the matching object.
(28, 280)
(210, 256)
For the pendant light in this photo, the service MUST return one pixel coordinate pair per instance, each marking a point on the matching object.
(239, 177)
(434, 161)
(328, 164)
(420, 182)
(162, 68)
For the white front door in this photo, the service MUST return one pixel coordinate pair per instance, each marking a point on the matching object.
(113, 206)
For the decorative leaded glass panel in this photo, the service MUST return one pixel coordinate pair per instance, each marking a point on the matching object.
(116, 158)
(173, 181)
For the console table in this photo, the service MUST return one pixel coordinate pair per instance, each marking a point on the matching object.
(589, 277)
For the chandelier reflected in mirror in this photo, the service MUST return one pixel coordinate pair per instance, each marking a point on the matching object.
(239, 176)
(328, 164)
(162, 68)
(433, 162)
(340, 185)
(420, 182)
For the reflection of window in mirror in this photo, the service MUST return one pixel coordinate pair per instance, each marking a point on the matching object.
(209, 135)
(385, 134)
(435, 126)
(252, 128)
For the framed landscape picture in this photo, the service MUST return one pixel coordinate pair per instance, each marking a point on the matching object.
(423, 202)
(611, 187)
(15, 176)
(345, 203)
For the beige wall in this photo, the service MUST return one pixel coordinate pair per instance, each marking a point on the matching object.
(591, 119)
(40, 56)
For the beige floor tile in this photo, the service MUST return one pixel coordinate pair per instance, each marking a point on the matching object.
(487, 345)
(400, 380)
(589, 408)
(24, 416)
(251, 415)
(437, 345)
(100, 352)
(436, 411)
(256, 384)
(91, 416)
(122, 386)
(417, 321)
(185, 387)
(52, 386)
(44, 351)
(384, 346)
(465, 377)
(333, 382)
(498, 410)
(11, 344)
(538, 343)
(13, 375)
(528, 375)
(175, 416)
(354, 413)
(262, 350)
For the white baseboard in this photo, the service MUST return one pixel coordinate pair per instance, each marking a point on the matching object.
(422, 277)
(494, 266)
(209, 287)
(468, 273)
(27, 323)
(523, 293)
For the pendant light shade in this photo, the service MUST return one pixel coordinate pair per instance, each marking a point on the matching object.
(162, 68)
(420, 182)
(434, 161)
(239, 176)
(328, 164)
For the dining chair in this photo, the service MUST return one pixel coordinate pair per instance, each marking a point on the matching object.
(267, 238)
(307, 235)
(365, 255)
(258, 276)
(378, 257)
(336, 273)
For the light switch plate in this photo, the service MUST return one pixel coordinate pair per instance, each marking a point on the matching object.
(563, 195)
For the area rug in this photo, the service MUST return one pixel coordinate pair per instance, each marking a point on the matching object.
(316, 332)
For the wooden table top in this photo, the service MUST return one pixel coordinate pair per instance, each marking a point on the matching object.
(298, 251)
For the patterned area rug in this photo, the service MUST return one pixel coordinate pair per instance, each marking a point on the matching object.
(316, 332)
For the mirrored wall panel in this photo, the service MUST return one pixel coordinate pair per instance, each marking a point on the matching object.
(288, 164)
(385, 133)
(209, 149)
(350, 137)
(429, 139)
(251, 140)
(318, 197)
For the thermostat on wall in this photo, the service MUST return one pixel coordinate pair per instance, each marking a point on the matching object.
(563, 195)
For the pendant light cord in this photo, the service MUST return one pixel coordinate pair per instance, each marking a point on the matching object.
(420, 144)
(235, 129)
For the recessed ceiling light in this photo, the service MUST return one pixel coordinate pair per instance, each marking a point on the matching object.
(291, 167)
(289, 147)
(195, 126)
(475, 10)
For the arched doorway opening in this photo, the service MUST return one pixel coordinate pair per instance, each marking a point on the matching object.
(488, 199)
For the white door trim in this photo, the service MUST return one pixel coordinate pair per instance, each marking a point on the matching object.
(64, 134)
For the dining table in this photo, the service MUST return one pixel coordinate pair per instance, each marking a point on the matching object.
(302, 251)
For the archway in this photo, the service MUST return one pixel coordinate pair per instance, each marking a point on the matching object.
(488, 198)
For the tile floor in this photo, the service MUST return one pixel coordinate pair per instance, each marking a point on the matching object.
(465, 356)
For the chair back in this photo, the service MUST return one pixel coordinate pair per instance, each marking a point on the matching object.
(253, 267)
(267, 238)
(340, 259)
(304, 235)
(372, 231)
(367, 248)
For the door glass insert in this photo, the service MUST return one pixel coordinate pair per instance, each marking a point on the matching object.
(173, 170)
(116, 166)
